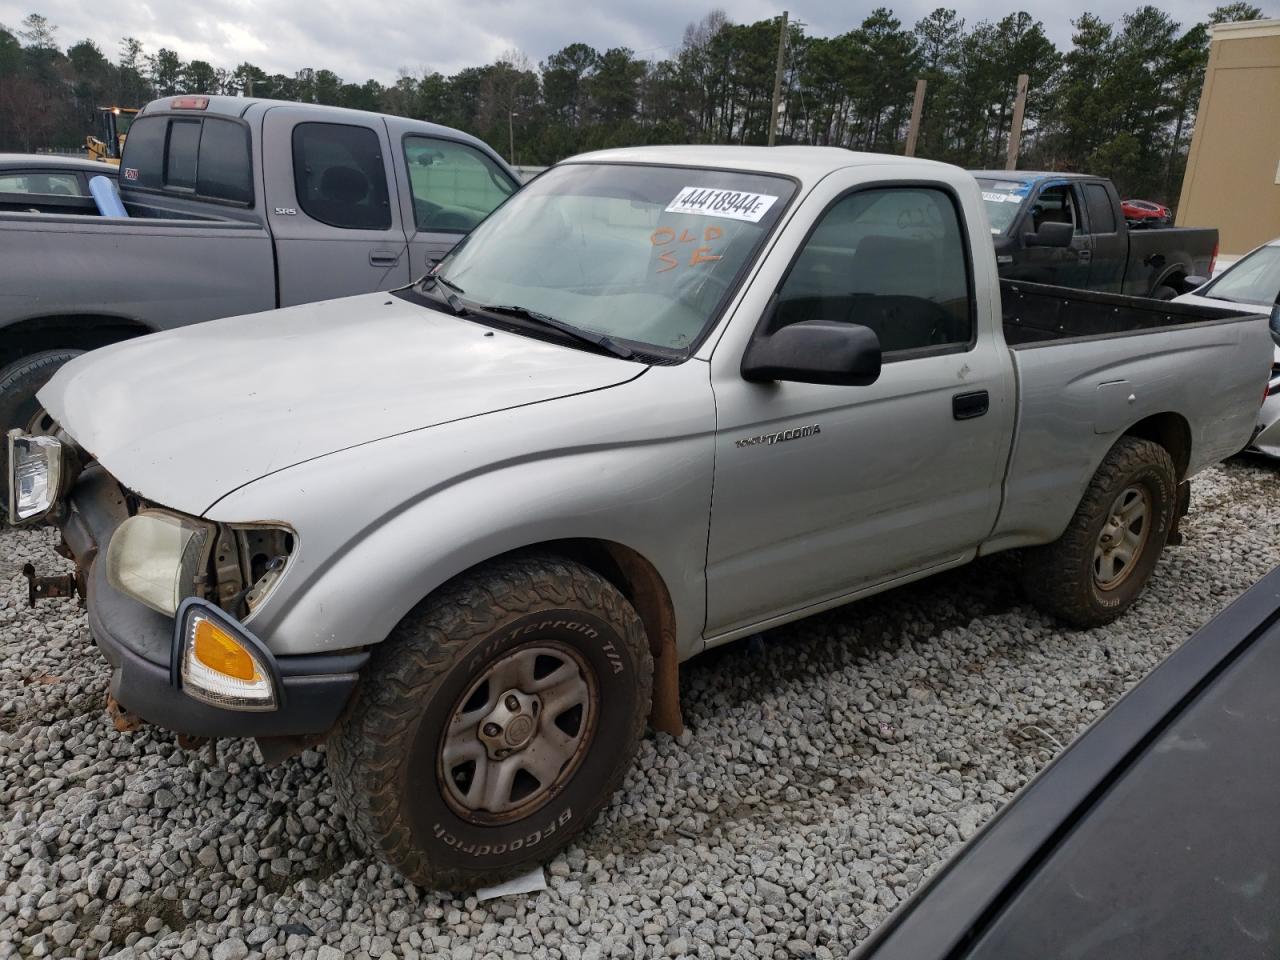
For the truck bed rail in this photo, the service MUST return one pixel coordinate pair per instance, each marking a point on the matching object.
(1035, 314)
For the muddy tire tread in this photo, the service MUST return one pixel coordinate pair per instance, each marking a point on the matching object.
(367, 752)
(1046, 570)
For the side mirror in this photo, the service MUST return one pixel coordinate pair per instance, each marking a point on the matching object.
(815, 351)
(1190, 283)
(1275, 324)
(1051, 234)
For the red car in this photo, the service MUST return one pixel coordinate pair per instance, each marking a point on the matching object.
(1146, 213)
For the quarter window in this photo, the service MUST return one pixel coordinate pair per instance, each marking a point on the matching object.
(890, 259)
(454, 185)
(1102, 215)
(339, 176)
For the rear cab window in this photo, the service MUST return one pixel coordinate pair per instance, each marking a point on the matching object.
(454, 185)
(203, 158)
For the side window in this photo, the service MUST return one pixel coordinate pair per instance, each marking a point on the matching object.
(1056, 205)
(43, 184)
(454, 186)
(890, 259)
(339, 176)
(1102, 215)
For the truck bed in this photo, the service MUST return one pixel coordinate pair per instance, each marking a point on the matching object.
(1036, 313)
(162, 272)
(1092, 366)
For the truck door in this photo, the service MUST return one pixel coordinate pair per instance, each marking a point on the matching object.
(328, 186)
(1110, 240)
(446, 188)
(823, 490)
(1065, 266)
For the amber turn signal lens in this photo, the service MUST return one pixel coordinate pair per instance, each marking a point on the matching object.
(219, 651)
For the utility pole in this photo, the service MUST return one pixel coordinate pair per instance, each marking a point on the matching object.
(1015, 132)
(917, 106)
(511, 137)
(777, 79)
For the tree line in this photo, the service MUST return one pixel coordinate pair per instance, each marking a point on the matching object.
(1120, 101)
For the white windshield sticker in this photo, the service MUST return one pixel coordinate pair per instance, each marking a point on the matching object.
(733, 204)
(1001, 197)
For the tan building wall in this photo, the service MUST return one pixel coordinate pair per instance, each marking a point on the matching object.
(1232, 180)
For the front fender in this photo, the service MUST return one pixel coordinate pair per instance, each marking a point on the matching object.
(384, 524)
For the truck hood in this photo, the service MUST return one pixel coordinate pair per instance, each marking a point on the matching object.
(184, 417)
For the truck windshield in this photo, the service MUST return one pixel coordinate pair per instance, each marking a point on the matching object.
(1002, 200)
(1254, 279)
(646, 255)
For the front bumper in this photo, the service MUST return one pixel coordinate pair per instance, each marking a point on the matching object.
(1266, 439)
(139, 643)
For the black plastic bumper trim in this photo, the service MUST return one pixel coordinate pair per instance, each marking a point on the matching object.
(138, 642)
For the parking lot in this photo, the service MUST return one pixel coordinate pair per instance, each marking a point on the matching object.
(824, 774)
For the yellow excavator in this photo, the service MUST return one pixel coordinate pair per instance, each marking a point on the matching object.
(113, 125)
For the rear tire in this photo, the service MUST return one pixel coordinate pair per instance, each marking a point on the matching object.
(456, 764)
(20, 381)
(1093, 573)
(1164, 292)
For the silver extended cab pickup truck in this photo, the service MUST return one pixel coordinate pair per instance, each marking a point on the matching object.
(661, 399)
(235, 205)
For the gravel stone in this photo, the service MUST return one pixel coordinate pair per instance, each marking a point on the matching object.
(829, 768)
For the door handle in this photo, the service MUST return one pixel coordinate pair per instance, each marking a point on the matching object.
(1085, 256)
(383, 258)
(966, 406)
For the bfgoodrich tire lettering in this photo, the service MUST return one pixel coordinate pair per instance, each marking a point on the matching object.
(386, 758)
(1073, 578)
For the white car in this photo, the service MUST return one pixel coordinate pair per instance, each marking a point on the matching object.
(1253, 279)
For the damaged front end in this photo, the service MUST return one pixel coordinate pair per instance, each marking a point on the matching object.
(170, 598)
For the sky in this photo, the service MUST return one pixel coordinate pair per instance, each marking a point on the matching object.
(375, 38)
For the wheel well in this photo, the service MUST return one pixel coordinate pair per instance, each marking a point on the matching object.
(1172, 432)
(72, 331)
(639, 581)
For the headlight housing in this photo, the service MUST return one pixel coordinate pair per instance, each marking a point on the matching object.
(160, 558)
(36, 475)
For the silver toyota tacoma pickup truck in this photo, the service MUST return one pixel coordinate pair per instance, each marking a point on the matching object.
(464, 533)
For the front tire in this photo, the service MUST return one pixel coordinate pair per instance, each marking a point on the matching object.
(494, 723)
(1095, 571)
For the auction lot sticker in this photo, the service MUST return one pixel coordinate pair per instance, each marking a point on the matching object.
(710, 202)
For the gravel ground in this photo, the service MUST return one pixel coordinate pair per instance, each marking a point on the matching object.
(824, 774)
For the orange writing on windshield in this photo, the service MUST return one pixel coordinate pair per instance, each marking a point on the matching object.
(701, 254)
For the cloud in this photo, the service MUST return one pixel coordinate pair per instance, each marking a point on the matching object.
(359, 40)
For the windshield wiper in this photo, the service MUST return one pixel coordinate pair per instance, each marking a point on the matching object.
(430, 281)
(600, 340)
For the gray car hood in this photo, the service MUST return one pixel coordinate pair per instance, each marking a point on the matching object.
(184, 417)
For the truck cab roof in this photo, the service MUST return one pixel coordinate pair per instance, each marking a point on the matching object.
(247, 108)
(808, 164)
(1029, 176)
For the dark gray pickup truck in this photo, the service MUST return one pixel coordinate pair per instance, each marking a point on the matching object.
(1068, 229)
(234, 206)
